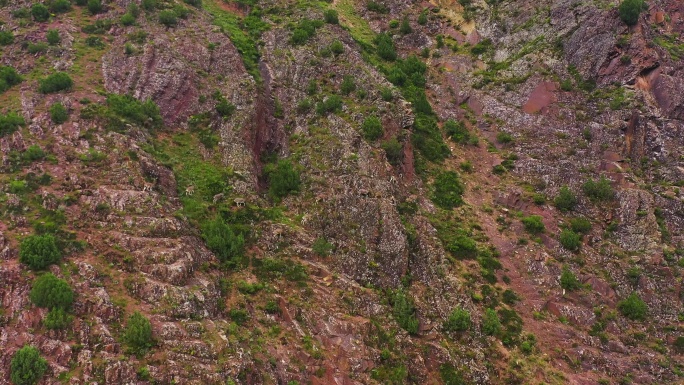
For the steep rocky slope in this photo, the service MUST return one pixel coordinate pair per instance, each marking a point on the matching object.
(374, 174)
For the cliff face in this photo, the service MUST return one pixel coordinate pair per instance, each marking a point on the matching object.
(364, 271)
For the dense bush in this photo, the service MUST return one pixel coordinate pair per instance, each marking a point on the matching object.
(125, 109)
(580, 225)
(458, 321)
(168, 18)
(6, 37)
(330, 16)
(376, 7)
(633, 307)
(51, 292)
(448, 190)
(8, 78)
(568, 280)
(461, 246)
(127, 19)
(58, 113)
(40, 12)
(57, 319)
(223, 106)
(33, 153)
(332, 104)
(194, 3)
(348, 85)
(39, 251)
(405, 27)
(630, 10)
(27, 366)
(533, 224)
(60, 6)
(149, 5)
(336, 47)
(95, 6)
(220, 238)
(566, 200)
(138, 334)
(457, 131)
(372, 128)
(385, 46)
(599, 190)
(304, 31)
(570, 240)
(53, 37)
(283, 179)
(404, 312)
(491, 325)
(422, 18)
(394, 150)
(59, 81)
(322, 247)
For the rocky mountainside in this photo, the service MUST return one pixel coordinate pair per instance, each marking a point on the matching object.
(341, 192)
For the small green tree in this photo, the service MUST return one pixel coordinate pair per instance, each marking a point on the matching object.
(322, 247)
(336, 47)
(533, 224)
(58, 113)
(491, 325)
(457, 131)
(458, 321)
(372, 128)
(283, 179)
(599, 190)
(39, 251)
(27, 366)
(385, 46)
(348, 85)
(633, 307)
(168, 18)
(630, 10)
(60, 6)
(448, 190)
(568, 280)
(138, 334)
(53, 37)
(580, 225)
(59, 81)
(422, 18)
(57, 319)
(51, 292)
(570, 240)
(566, 200)
(405, 27)
(330, 16)
(220, 238)
(6, 37)
(404, 312)
(40, 12)
(95, 6)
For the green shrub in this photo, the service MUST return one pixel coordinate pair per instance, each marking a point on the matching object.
(220, 238)
(633, 307)
(138, 334)
(33, 153)
(149, 5)
(27, 366)
(570, 240)
(509, 297)
(58, 113)
(376, 7)
(630, 10)
(51, 292)
(491, 325)
(580, 225)
(127, 19)
(568, 280)
(394, 150)
(404, 312)
(125, 109)
(451, 376)
(37, 47)
(348, 85)
(533, 224)
(330, 16)
(6, 37)
(372, 128)
(331, 104)
(57, 319)
(60, 6)
(422, 18)
(386, 94)
(566, 200)
(322, 247)
(53, 37)
(59, 81)
(462, 247)
(305, 30)
(168, 18)
(457, 131)
(679, 344)
(39, 251)
(405, 27)
(336, 47)
(239, 316)
(504, 137)
(448, 190)
(385, 47)
(8, 78)
(458, 321)
(95, 6)
(94, 41)
(81, 3)
(283, 179)
(194, 3)
(40, 12)
(224, 107)
(599, 190)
